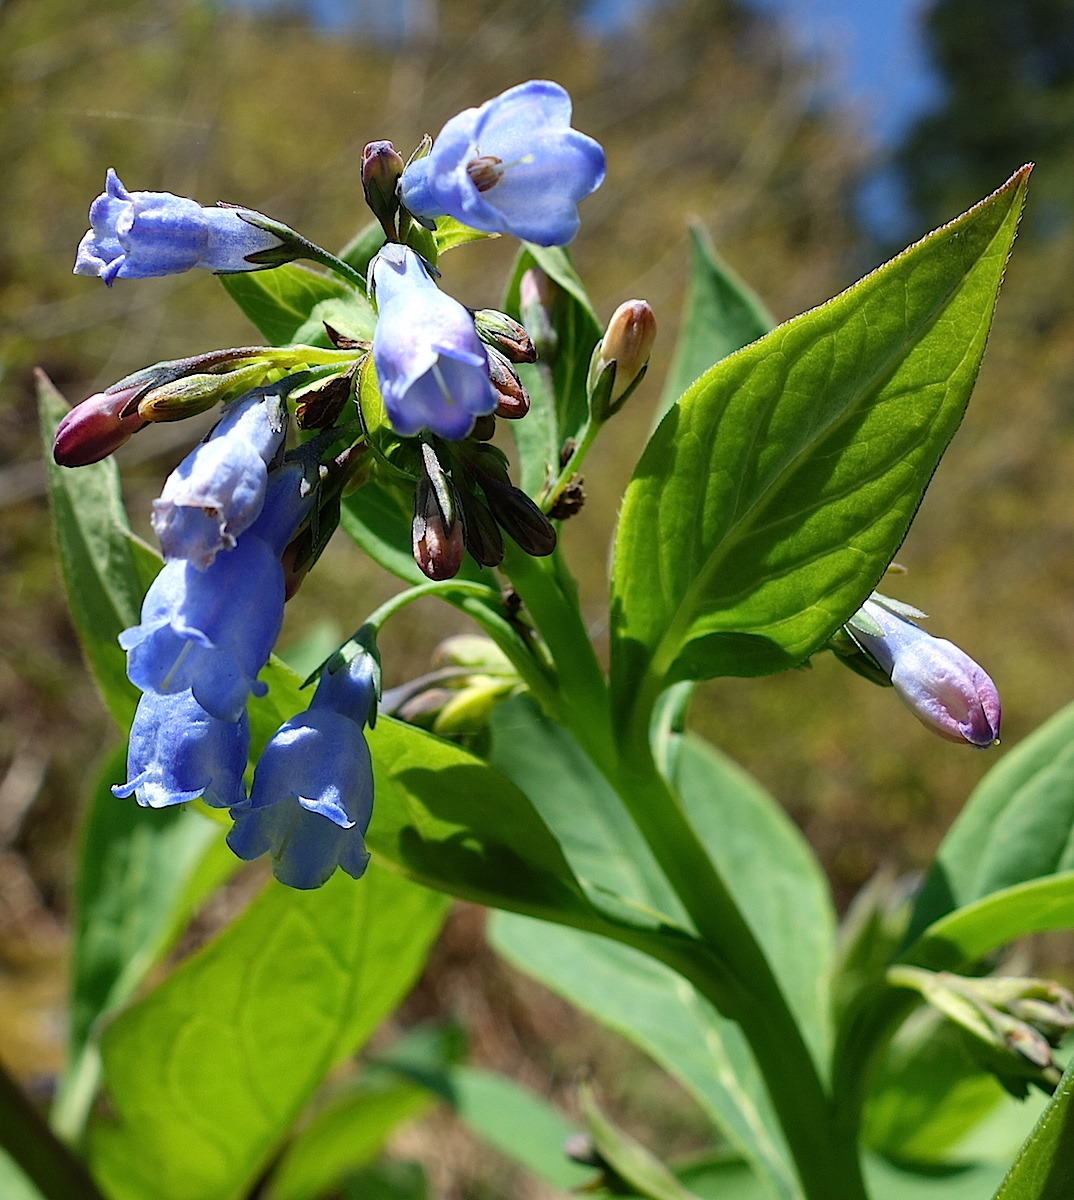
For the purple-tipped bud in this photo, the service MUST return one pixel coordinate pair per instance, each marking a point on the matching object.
(512, 399)
(498, 330)
(382, 165)
(940, 684)
(438, 540)
(623, 354)
(536, 300)
(94, 429)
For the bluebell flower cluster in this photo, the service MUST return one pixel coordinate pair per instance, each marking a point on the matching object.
(209, 622)
(242, 518)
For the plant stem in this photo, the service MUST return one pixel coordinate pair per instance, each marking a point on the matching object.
(25, 1135)
(738, 979)
(727, 966)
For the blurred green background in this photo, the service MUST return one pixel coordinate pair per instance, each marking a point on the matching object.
(706, 110)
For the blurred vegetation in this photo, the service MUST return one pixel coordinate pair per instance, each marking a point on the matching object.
(703, 111)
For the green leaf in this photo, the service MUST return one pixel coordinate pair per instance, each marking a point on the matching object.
(360, 250)
(655, 1009)
(1044, 1168)
(631, 1161)
(602, 844)
(773, 875)
(773, 495)
(518, 1123)
(14, 1185)
(446, 819)
(344, 1137)
(558, 402)
(969, 933)
(1018, 824)
(134, 868)
(96, 557)
(721, 314)
(289, 304)
(928, 1093)
(208, 1071)
(451, 233)
(787, 905)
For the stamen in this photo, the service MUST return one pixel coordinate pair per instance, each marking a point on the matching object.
(441, 382)
(188, 645)
(485, 171)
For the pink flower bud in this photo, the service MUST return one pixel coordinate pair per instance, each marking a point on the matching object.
(941, 685)
(94, 429)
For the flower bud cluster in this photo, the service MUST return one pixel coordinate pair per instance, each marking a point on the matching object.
(1012, 1024)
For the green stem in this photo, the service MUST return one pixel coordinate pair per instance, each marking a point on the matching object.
(316, 254)
(743, 986)
(586, 436)
(549, 594)
(50, 1165)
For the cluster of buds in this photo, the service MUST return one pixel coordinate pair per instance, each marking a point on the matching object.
(466, 501)
(1012, 1024)
(455, 699)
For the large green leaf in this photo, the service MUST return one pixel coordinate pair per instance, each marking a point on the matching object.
(135, 866)
(1017, 825)
(651, 1006)
(720, 315)
(96, 557)
(773, 495)
(600, 841)
(291, 304)
(446, 819)
(210, 1069)
(1044, 1169)
(558, 400)
(928, 1093)
(343, 1137)
(969, 933)
(772, 874)
(518, 1123)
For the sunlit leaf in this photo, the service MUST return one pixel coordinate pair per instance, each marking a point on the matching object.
(1044, 1168)
(720, 315)
(210, 1069)
(1018, 824)
(290, 301)
(775, 493)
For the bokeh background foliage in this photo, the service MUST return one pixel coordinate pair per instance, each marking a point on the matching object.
(704, 112)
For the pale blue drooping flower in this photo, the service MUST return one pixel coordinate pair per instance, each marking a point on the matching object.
(514, 166)
(312, 794)
(211, 631)
(218, 490)
(136, 235)
(178, 752)
(431, 365)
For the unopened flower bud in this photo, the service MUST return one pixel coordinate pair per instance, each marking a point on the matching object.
(437, 529)
(621, 357)
(941, 685)
(193, 394)
(498, 330)
(536, 300)
(382, 165)
(512, 399)
(94, 429)
(520, 518)
(481, 534)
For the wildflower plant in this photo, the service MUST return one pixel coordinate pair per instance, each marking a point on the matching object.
(638, 872)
